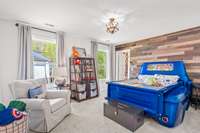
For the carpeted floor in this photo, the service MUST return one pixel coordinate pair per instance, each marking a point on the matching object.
(87, 117)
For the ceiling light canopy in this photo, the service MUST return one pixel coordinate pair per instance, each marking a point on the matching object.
(112, 26)
(49, 25)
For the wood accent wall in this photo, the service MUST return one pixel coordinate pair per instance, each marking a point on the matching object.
(182, 45)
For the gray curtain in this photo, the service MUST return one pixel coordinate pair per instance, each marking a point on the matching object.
(25, 64)
(61, 49)
(94, 48)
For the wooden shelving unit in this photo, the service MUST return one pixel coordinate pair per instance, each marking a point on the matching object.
(83, 79)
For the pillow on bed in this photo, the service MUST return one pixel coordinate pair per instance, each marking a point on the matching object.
(166, 80)
(158, 79)
(147, 79)
(144, 78)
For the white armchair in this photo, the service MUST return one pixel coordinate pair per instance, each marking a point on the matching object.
(46, 113)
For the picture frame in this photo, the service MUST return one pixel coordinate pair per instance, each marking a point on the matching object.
(81, 51)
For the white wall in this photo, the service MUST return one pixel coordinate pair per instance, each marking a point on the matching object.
(8, 57)
(77, 41)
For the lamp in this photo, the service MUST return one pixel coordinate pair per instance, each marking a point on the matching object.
(112, 26)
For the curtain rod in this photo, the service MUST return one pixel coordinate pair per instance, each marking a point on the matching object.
(17, 24)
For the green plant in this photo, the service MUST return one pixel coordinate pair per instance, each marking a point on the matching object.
(101, 64)
(47, 49)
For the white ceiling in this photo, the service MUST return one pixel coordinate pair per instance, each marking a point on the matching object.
(138, 18)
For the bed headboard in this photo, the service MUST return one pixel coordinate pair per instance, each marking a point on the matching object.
(166, 68)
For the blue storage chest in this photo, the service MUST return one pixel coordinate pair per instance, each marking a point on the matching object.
(165, 104)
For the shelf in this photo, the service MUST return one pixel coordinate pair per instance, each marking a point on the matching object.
(93, 97)
(78, 91)
(84, 99)
(82, 81)
(85, 73)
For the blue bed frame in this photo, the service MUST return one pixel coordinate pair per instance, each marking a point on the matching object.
(167, 105)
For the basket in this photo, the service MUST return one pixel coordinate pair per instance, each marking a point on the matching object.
(18, 126)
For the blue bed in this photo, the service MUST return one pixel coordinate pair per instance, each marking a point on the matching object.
(166, 104)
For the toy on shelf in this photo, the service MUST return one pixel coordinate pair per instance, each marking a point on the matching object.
(77, 61)
(78, 52)
(75, 53)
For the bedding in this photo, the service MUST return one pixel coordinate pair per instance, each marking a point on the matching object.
(158, 80)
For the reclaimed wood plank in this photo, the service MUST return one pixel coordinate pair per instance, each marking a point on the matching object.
(170, 50)
(174, 45)
(183, 45)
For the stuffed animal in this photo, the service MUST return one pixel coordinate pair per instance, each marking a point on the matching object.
(75, 53)
(8, 115)
(19, 105)
(77, 62)
(2, 107)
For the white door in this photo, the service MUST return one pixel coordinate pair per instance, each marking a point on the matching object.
(123, 65)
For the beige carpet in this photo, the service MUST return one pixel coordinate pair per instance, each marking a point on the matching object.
(87, 117)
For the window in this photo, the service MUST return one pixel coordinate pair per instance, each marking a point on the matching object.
(43, 53)
(102, 63)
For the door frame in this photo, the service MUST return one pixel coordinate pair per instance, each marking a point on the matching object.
(117, 62)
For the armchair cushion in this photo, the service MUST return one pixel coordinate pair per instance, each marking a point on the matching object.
(56, 104)
(36, 104)
(52, 94)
